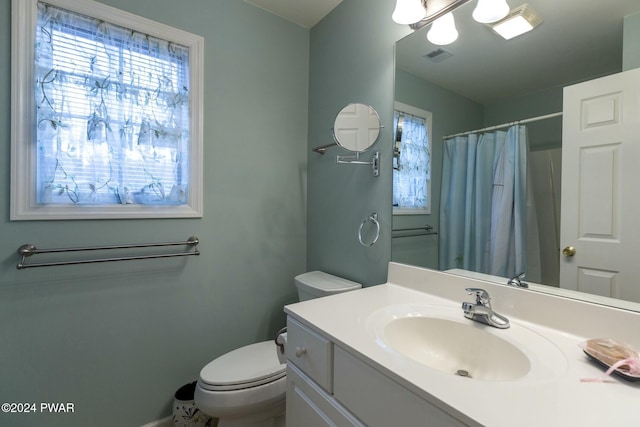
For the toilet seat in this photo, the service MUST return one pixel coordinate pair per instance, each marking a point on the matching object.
(246, 367)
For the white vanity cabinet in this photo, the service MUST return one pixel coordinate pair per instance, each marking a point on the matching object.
(329, 386)
(344, 370)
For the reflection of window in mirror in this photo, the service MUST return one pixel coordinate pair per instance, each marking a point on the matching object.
(411, 160)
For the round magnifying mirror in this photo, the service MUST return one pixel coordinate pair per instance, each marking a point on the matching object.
(357, 127)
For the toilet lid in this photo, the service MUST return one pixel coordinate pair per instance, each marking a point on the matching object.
(244, 367)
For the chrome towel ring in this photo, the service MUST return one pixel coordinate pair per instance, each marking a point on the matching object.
(374, 219)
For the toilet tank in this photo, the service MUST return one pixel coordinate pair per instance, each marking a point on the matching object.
(316, 284)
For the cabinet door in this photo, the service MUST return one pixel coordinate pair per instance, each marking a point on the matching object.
(379, 401)
(309, 406)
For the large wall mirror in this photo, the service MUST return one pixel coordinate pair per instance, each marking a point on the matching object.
(482, 80)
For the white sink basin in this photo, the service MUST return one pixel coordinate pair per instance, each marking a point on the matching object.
(441, 338)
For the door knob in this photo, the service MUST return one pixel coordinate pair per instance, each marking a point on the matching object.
(569, 251)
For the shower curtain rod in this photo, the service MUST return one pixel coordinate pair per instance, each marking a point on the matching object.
(504, 125)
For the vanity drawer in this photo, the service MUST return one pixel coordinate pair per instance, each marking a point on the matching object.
(310, 352)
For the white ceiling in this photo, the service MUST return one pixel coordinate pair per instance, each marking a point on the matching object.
(305, 13)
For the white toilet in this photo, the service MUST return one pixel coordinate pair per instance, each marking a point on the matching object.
(247, 386)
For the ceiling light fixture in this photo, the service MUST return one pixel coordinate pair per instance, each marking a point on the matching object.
(487, 11)
(519, 21)
(443, 30)
(408, 12)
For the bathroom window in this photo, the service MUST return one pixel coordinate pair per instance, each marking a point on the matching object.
(106, 114)
(411, 160)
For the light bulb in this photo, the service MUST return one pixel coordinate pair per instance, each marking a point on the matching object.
(443, 30)
(408, 12)
(488, 11)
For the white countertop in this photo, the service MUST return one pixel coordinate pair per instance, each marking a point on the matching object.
(561, 400)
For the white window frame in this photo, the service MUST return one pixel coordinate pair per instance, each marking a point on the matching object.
(428, 118)
(23, 116)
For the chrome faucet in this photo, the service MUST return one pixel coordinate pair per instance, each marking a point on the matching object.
(517, 281)
(481, 311)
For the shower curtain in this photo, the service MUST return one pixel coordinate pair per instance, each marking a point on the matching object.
(483, 205)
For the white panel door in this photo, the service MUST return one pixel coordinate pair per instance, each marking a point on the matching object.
(600, 218)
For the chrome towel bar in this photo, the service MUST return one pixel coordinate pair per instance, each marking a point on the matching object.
(28, 250)
(427, 230)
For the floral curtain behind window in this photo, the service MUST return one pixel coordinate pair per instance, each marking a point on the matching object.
(112, 113)
(410, 182)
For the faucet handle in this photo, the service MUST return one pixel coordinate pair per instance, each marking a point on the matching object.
(482, 296)
(517, 281)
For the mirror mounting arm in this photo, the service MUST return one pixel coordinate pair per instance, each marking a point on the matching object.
(323, 149)
(355, 160)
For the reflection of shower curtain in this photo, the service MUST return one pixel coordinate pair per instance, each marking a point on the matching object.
(483, 205)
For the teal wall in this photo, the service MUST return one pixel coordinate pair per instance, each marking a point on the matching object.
(351, 61)
(543, 134)
(118, 339)
(631, 49)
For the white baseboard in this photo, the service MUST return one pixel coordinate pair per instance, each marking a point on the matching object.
(164, 422)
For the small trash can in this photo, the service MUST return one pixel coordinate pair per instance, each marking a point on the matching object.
(185, 413)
